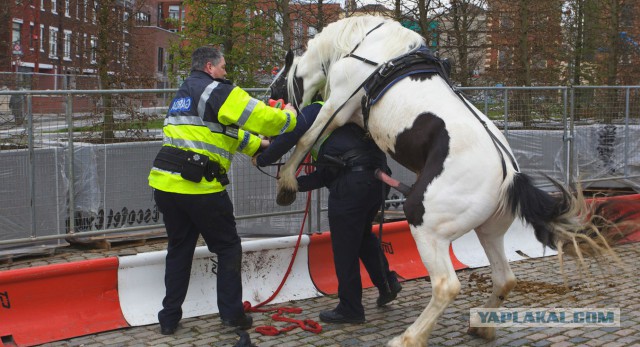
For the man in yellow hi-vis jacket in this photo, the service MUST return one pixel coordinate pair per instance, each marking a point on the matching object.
(208, 121)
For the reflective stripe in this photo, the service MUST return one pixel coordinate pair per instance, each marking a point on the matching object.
(197, 145)
(247, 112)
(204, 97)
(245, 141)
(185, 120)
(167, 171)
(286, 124)
(194, 120)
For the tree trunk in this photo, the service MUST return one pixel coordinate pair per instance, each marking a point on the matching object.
(103, 11)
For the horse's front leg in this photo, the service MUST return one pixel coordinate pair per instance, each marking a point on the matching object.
(287, 183)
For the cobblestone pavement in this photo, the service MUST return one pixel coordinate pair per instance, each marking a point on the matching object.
(540, 285)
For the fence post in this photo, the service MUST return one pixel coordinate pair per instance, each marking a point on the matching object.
(568, 135)
(626, 134)
(506, 112)
(486, 102)
(70, 164)
(32, 163)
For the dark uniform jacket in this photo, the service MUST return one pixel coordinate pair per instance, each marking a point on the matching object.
(348, 144)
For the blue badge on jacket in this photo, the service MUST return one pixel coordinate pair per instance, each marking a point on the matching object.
(180, 104)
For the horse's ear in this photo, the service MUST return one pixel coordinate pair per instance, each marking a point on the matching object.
(288, 60)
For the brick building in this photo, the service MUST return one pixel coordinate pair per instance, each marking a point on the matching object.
(307, 20)
(44, 38)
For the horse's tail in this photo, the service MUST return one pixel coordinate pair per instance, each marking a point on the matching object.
(562, 221)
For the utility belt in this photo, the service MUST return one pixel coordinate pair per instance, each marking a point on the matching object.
(346, 165)
(192, 166)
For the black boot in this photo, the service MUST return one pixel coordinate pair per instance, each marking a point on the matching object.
(386, 296)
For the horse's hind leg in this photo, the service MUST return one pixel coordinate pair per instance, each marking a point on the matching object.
(434, 251)
(491, 236)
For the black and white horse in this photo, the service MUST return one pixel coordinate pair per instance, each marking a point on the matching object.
(467, 177)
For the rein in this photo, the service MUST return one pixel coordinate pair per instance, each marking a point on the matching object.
(350, 55)
(279, 165)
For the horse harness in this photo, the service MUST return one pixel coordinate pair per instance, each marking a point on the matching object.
(419, 60)
(416, 62)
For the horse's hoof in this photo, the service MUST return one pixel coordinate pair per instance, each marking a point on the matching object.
(285, 197)
(487, 333)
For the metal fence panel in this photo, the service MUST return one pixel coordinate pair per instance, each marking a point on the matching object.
(105, 141)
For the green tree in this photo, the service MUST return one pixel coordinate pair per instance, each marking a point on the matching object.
(240, 28)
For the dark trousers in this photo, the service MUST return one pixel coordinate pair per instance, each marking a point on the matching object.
(354, 199)
(185, 218)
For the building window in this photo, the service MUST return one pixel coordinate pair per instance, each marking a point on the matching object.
(53, 42)
(67, 45)
(54, 8)
(84, 10)
(143, 18)
(78, 45)
(160, 59)
(125, 21)
(84, 46)
(160, 16)
(15, 34)
(41, 38)
(94, 46)
(67, 6)
(174, 12)
(41, 5)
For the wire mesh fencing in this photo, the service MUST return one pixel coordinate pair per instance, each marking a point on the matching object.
(75, 162)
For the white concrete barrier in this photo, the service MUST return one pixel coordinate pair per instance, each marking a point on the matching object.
(519, 243)
(264, 264)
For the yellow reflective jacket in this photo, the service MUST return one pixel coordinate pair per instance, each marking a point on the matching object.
(217, 119)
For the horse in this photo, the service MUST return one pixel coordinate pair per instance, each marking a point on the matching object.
(467, 177)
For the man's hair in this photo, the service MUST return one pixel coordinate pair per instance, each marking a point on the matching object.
(203, 55)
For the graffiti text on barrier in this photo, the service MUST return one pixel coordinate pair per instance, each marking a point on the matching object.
(4, 300)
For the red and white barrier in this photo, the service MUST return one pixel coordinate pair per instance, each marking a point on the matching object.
(519, 243)
(264, 263)
(398, 246)
(55, 302)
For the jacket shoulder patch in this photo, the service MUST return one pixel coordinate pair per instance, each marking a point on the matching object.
(181, 104)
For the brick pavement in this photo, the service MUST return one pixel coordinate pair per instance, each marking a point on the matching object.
(540, 285)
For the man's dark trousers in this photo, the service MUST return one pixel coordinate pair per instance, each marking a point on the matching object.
(354, 199)
(186, 217)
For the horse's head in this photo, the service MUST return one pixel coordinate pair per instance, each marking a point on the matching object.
(278, 87)
(299, 81)
(289, 84)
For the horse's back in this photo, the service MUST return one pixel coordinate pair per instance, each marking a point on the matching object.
(426, 127)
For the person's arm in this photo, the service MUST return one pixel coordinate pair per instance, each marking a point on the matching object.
(283, 143)
(252, 114)
(310, 182)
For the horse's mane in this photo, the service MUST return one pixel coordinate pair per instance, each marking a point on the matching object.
(339, 38)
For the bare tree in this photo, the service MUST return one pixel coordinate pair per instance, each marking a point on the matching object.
(462, 37)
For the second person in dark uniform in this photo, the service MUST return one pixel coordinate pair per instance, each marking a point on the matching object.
(355, 196)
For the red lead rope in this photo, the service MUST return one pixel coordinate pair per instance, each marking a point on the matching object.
(307, 324)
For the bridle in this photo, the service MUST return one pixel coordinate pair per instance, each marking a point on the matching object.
(297, 105)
